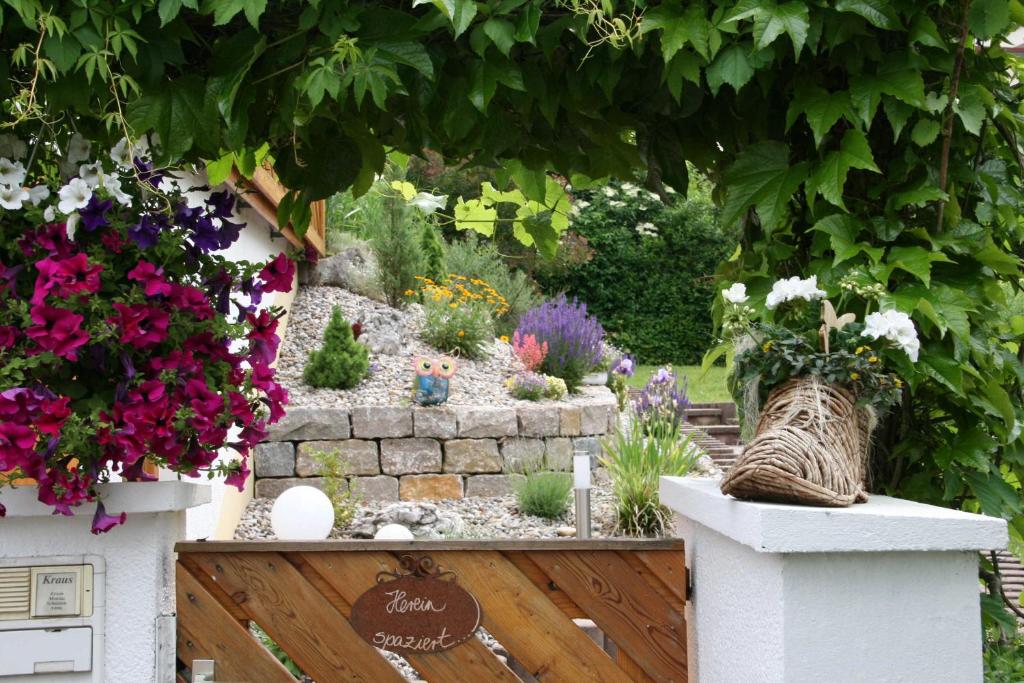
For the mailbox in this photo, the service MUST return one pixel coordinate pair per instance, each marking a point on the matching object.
(50, 627)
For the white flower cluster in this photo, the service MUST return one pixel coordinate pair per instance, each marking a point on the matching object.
(13, 192)
(895, 326)
(647, 229)
(737, 294)
(793, 288)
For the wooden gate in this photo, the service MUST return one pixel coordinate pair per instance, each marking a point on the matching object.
(529, 592)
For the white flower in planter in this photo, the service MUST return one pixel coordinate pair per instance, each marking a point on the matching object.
(122, 153)
(37, 194)
(897, 327)
(73, 196)
(91, 174)
(737, 294)
(794, 288)
(11, 172)
(13, 196)
(78, 149)
(429, 203)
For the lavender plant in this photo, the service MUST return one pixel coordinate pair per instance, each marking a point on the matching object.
(575, 339)
(662, 404)
(527, 386)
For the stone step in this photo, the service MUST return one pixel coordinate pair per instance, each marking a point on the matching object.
(728, 434)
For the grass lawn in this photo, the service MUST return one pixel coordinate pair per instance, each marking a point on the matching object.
(710, 388)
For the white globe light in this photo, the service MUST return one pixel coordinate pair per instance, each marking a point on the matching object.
(393, 532)
(302, 513)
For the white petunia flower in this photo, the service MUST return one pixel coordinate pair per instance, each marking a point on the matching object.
(11, 147)
(429, 203)
(73, 196)
(13, 196)
(896, 326)
(78, 149)
(49, 215)
(71, 225)
(11, 172)
(123, 153)
(609, 191)
(737, 294)
(793, 288)
(91, 174)
(37, 194)
(112, 184)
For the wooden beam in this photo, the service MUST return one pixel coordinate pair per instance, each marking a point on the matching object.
(370, 545)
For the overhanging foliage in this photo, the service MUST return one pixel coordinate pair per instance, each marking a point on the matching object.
(872, 140)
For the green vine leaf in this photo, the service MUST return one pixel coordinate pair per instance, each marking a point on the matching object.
(762, 177)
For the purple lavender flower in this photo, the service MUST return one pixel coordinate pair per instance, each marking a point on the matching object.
(575, 340)
(527, 386)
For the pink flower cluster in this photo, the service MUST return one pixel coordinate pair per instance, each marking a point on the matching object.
(123, 358)
(530, 352)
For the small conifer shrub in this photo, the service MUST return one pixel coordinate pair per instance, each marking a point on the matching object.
(342, 362)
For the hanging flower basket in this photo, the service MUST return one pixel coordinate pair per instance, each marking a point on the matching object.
(810, 448)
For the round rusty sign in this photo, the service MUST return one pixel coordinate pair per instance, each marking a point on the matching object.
(416, 614)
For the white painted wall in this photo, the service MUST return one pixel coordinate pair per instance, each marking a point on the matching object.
(881, 592)
(133, 590)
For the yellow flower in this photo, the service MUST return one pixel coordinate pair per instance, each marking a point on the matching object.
(898, 383)
(504, 338)
(854, 376)
(873, 359)
(409, 292)
(859, 350)
(453, 305)
(461, 333)
(767, 346)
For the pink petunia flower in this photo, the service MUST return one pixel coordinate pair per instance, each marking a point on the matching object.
(56, 330)
(277, 275)
(141, 325)
(151, 278)
(65, 277)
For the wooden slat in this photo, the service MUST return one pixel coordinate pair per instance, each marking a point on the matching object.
(544, 582)
(629, 665)
(351, 574)
(652, 580)
(351, 545)
(296, 616)
(527, 624)
(207, 631)
(669, 567)
(629, 611)
(215, 591)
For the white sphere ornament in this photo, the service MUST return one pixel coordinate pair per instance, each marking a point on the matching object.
(302, 513)
(393, 532)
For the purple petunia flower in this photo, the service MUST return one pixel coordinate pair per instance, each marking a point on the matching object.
(94, 214)
(147, 231)
(102, 522)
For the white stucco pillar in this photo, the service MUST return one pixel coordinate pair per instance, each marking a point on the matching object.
(884, 591)
(129, 637)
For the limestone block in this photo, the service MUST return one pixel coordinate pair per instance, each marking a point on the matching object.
(374, 489)
(437, 423)
(487, 485)
(381, 422)
(472, 455)
(480, 423)
(538, 420)
(274, 459)
(430, 487)
(272, 488)
(570, 419)
(558, 454)
(410, 456)
(307, 423)
(357, 457)
(522, 455)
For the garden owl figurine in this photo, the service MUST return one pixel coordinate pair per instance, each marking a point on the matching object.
(430, 387)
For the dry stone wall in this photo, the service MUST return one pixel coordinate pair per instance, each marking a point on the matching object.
(428, 453)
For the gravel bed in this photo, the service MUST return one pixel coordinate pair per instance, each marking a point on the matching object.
(477, 382)
(483, 518)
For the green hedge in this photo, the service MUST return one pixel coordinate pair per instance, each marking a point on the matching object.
(652, 292)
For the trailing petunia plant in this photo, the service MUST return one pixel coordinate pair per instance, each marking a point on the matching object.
(125, 336)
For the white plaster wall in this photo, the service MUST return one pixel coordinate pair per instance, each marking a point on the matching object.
(139, 584)
(882, 618)
(736, 609)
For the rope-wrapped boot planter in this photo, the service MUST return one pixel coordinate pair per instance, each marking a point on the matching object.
(810, 448)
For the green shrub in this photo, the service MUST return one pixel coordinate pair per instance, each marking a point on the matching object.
(341, 362)
(636, 463)
(476, 258)
(333, 471)
(461, 329)
(544, 494)
(1004, 661)
(649, 281)
(397, 248)
(432, 247)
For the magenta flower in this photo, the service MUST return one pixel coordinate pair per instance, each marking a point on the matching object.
(8, 336)
(56, 330)
(63, 489)
(151, 278)
(193, 300)
(263, 339)
(239, 474)
(66, 277)
(102, 522)
(141, 325)
(277, 275)
(53, 415)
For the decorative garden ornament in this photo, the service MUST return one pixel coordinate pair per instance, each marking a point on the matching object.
(430, 386)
